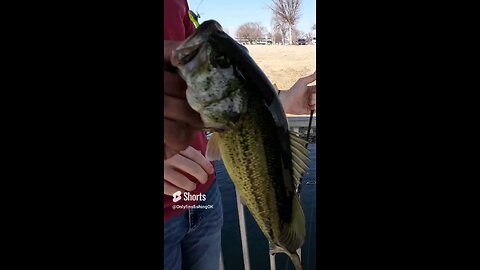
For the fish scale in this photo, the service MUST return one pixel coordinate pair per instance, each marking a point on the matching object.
(252, 171)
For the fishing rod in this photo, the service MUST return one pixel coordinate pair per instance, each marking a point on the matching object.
(195, 16)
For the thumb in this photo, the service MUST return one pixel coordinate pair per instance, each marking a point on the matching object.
(310, 78)
(168, 47)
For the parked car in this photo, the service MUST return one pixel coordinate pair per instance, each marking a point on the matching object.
(301, 41)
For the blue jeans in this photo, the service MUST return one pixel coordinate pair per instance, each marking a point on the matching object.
(192, 240)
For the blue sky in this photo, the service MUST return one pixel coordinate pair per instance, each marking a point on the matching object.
(232, 14)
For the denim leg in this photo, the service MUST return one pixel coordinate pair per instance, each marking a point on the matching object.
(174, 231)
(201, 247)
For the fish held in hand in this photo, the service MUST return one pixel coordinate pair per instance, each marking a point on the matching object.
(239, 104)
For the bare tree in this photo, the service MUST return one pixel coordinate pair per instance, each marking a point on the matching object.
(308, 37)
(314, 27)
(280, 27)
(251, 31)
(297, 34)
(288, 11)
(278, 37)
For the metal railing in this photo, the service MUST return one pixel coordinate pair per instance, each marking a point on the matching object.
(243, 237)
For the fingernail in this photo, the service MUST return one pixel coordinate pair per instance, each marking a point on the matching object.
(212, 169)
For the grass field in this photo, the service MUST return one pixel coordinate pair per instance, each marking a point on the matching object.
(284, 65)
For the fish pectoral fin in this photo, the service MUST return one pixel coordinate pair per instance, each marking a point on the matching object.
(213, 147)
(300, 159)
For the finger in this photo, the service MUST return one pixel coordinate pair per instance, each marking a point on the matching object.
(195, 155)
(177, 136)
(310, 78)
(313, 99)
(169, 189)
(168, 47)
(187, 165)
(174, 85)
(179, 110)
(176, 178)
(169, 152)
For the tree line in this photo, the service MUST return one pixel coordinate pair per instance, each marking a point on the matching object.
(286, 14)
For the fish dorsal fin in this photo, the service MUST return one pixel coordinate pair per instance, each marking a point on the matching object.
(213, 147)
(300, 160)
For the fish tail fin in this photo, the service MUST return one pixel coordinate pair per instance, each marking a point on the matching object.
(292, 255)
(293, 235)
(295, 260)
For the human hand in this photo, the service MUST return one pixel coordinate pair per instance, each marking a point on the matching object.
(180, 121)
(190, 161)
(301, 98)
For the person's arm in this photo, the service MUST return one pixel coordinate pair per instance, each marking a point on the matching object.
(301, 98)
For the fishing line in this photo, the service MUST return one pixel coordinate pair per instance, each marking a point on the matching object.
(199, 6)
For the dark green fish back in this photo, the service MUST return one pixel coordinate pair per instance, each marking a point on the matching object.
(252, 154)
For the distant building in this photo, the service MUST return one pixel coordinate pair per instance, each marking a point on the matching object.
(259, 41)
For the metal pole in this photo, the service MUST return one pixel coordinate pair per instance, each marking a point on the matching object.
(221, 262)
(243, 232)
(272, 261)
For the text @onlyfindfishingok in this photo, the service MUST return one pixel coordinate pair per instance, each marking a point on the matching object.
(177, 206)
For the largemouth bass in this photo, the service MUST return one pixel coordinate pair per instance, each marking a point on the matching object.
(239, 104)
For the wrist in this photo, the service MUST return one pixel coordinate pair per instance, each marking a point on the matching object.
(282, 95)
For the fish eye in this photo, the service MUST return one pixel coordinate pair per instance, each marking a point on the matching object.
(221, 61)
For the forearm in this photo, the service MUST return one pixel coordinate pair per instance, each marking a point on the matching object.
(282, 95)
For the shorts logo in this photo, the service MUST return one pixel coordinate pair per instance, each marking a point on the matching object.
(177, 196)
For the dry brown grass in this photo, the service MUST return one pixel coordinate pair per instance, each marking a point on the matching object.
(284, 65)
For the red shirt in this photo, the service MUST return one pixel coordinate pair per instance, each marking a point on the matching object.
(177, 26)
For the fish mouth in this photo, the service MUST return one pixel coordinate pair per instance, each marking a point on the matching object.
(185, 55)
(192, 45)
